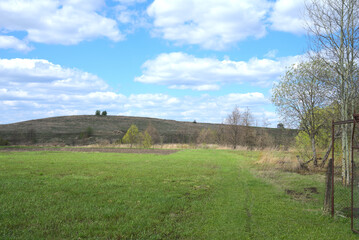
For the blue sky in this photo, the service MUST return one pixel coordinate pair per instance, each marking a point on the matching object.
(173, 59)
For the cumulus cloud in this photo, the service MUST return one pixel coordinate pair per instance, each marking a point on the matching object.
(37, 88)
(8, 42)
(58, 22)
(212, 24)
(183, 71)
(39, 75)
(288, 16)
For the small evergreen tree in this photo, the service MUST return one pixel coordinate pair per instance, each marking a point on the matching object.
(132, 135)
(104, 113)
(98, 113)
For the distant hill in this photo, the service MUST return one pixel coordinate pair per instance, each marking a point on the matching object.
(70, 130)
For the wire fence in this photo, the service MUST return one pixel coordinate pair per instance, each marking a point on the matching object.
(356, 189)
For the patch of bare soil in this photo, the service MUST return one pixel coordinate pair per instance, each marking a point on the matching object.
(105, 150)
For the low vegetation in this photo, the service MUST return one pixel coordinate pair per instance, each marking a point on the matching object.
(4, 142)
(191, 194)
(108, 130)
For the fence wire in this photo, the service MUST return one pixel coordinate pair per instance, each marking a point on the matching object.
(356, 189)
(342, 190)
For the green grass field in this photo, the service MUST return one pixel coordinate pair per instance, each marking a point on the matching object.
(192, 194)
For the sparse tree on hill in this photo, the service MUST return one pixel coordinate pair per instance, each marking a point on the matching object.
(88, 132)
(132, 136)
(220, 134)
(265, 122)
(152, 131)
(31, 135)
(3, 142)
(247, 120)
(104, 113)
(206, 136)
(233, 122)
(98, 113)
(146, 140)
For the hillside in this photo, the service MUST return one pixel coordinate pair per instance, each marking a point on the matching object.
(69, 130)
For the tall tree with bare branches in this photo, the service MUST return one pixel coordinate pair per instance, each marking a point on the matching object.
(233, 122)
(333, 27)
(298, 97)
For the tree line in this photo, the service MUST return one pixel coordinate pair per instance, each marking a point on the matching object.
(233, 133)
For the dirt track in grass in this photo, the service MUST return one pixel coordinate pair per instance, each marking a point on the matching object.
(105, 150)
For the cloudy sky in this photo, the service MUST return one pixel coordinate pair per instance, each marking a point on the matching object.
(173, 59)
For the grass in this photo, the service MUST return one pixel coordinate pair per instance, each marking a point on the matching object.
(192, 194)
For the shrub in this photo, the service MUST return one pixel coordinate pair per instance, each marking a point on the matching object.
(104, 113)
(31, 136)
(146, 140)
(98, 113)
(87, 133)
(152, 131)
(132, 135)
(3, 142)
(206, 136)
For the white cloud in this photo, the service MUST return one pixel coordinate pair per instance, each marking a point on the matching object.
(271, 54)
(130, 2)
(58, 22)
(36, 88)
(288, 16)
(212, 24)
(132, 14)
(39, 76)
(8, 42)
(183, 71)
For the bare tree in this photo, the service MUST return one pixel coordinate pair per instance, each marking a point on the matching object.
(233, 122)
(298, 97)
(265, 122)
(220, 134)
(333, 27)
(152, 131)
(247, 120)
(206, 136)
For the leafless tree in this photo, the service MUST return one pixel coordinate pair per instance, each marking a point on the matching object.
(233, 122)
(206, 136)
(152, 131)
(248, 133)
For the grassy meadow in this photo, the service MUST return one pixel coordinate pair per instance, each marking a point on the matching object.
(191, 194)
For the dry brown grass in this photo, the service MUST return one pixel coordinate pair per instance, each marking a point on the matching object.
(286, 161)
(279, 160)
(106, 144)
